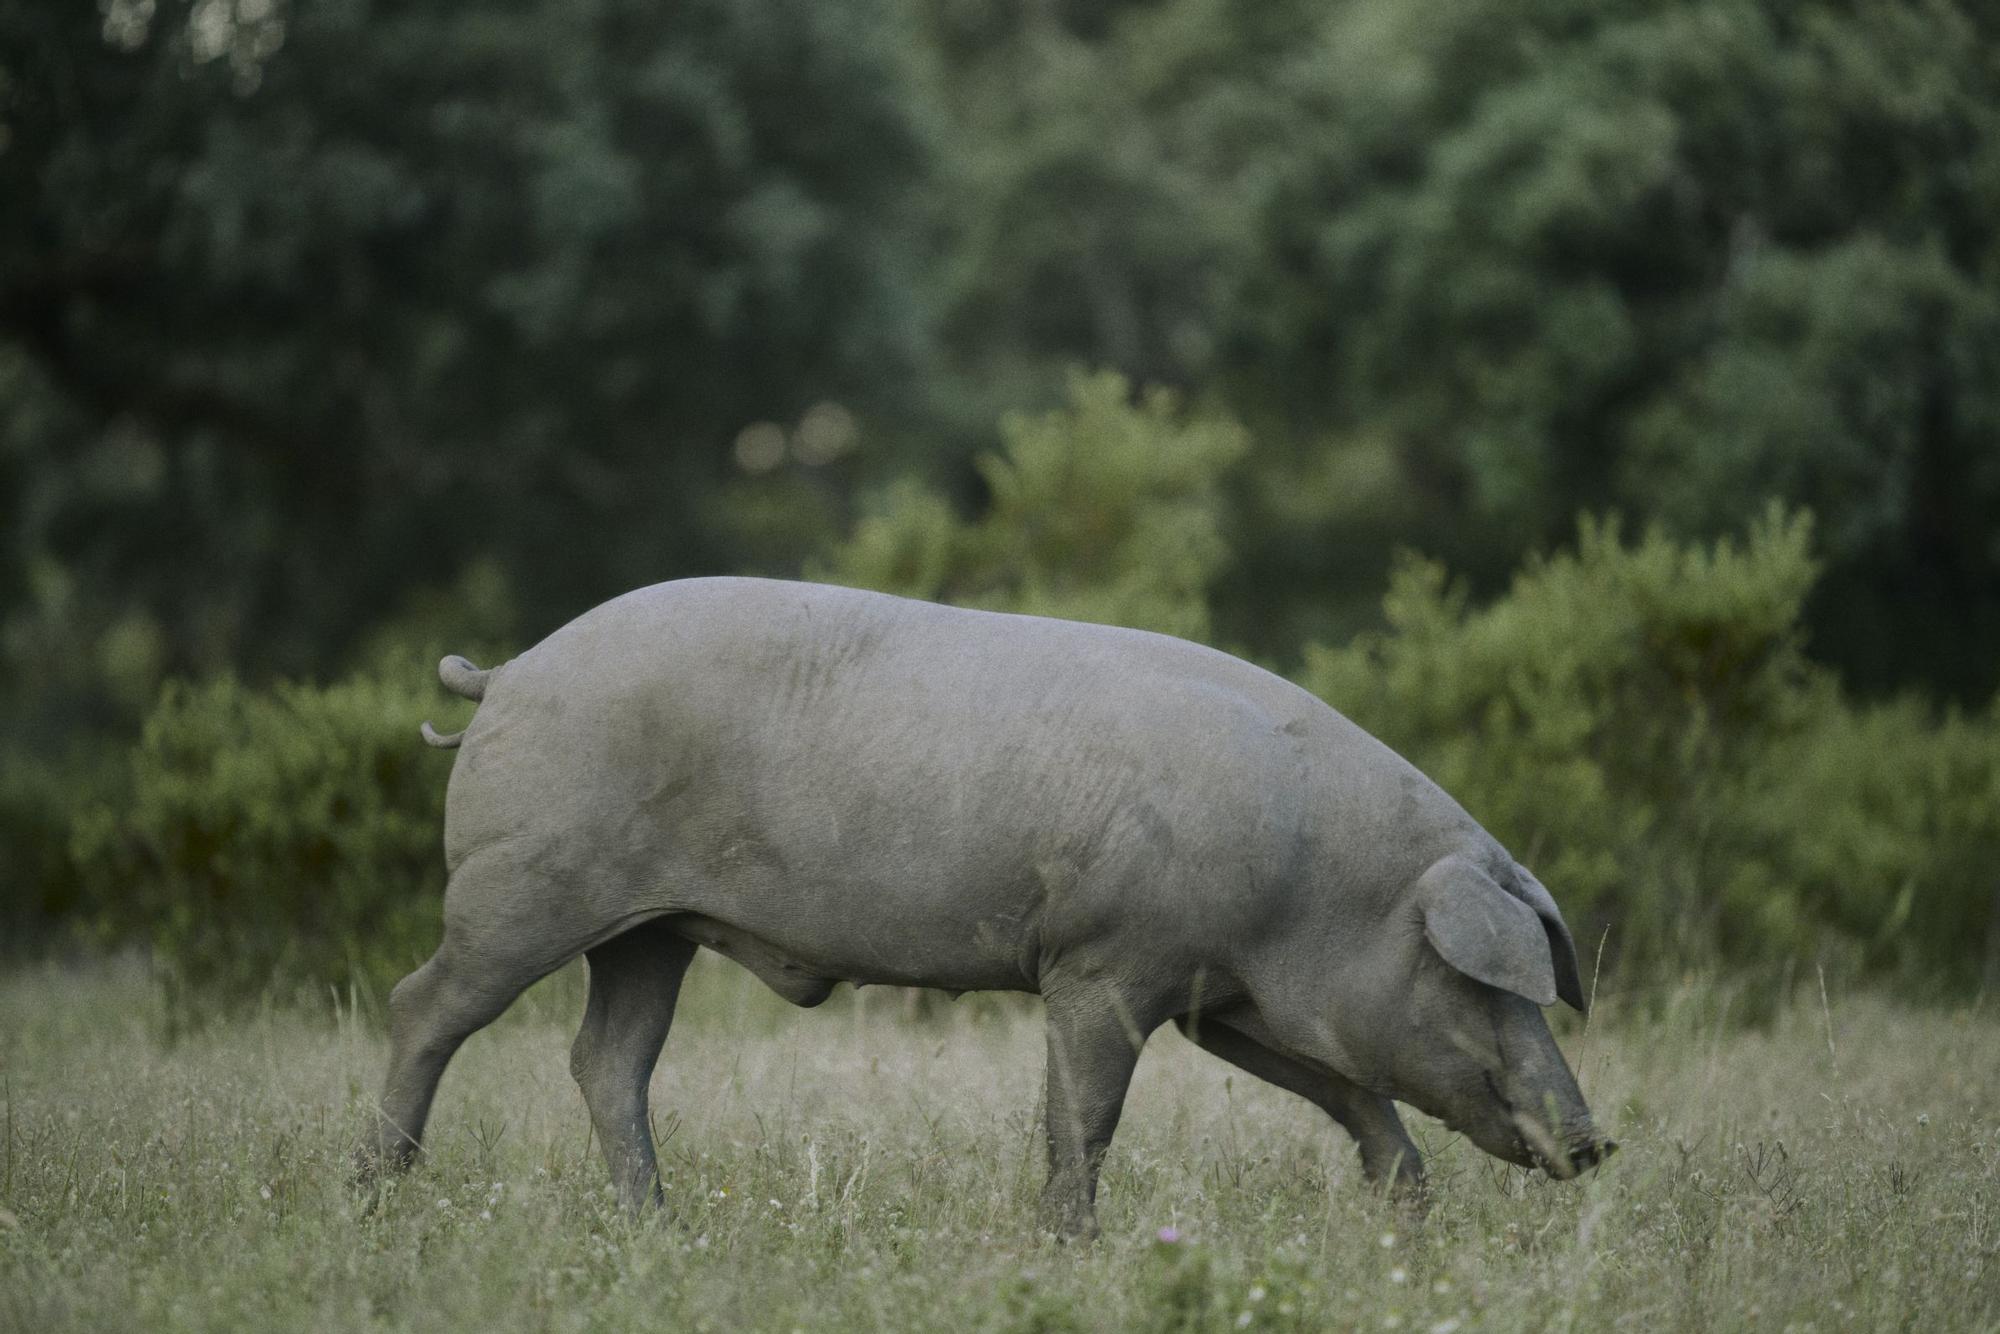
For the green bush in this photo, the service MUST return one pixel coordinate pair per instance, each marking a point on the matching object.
(285, 838)
(41, 893)
(1636, 720)
(1640, 724)
(1886, 821)
(1107, 510)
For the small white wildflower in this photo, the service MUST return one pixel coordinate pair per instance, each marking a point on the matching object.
(1447, 1326)
(443, 1203)
(701, 1242)
(264, 1192)
(485, 1215)
(1243, 1320)
(1440, 1287)
(1256, 1293)
(1388, 1240)
(1399, 1275)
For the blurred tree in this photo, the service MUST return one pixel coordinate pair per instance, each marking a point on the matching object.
(304, 305)
(1681, 258)
(1107, 168)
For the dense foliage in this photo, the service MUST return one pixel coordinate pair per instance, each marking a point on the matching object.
(1682, 258)
(286, 838)
(331, 330)
(1635, 720)
(1639, 723)
(301, 305)
(1107, 511)
(1472, 268)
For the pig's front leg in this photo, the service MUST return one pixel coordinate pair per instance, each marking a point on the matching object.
(1388, 1158)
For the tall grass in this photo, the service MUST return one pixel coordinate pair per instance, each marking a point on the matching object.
(1837, 1167)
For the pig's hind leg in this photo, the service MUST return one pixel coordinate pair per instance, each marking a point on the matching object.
(1387, 1155)
(635, 978)
(502, 932)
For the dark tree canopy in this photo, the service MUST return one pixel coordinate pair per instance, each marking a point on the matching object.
(304, 305)
(1678, 259)
(307, 308)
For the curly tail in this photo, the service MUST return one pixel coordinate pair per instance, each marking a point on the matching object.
(460, 678)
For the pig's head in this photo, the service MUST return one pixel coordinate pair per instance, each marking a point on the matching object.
(1465, 1040)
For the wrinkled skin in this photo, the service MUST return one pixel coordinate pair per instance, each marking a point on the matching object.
(828, 785)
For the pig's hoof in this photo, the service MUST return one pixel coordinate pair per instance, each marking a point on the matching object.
(1068, 1228)
(1412, 1201)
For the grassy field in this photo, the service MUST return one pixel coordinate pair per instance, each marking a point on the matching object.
(850, 1168)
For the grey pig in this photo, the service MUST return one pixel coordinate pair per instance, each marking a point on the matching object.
(828, 785)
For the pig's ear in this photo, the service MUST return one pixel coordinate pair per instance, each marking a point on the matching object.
(1485, 932)
(1569, 981)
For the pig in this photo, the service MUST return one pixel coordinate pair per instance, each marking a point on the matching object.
(827, 785)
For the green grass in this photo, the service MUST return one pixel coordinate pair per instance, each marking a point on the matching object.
(1835, 1168)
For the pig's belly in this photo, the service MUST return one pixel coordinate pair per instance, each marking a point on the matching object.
(804, 965)
(955, 871)
(805, 902)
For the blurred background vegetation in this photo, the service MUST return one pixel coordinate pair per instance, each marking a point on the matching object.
(334, 335)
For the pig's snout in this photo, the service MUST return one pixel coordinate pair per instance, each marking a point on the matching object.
(1584, 1156)
(1580, 1156)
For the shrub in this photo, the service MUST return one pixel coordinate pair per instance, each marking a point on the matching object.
(1640, 724)
(1637, 721)
(1886, 819)
(287, 838)
(1106, 510)
(40, 891)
